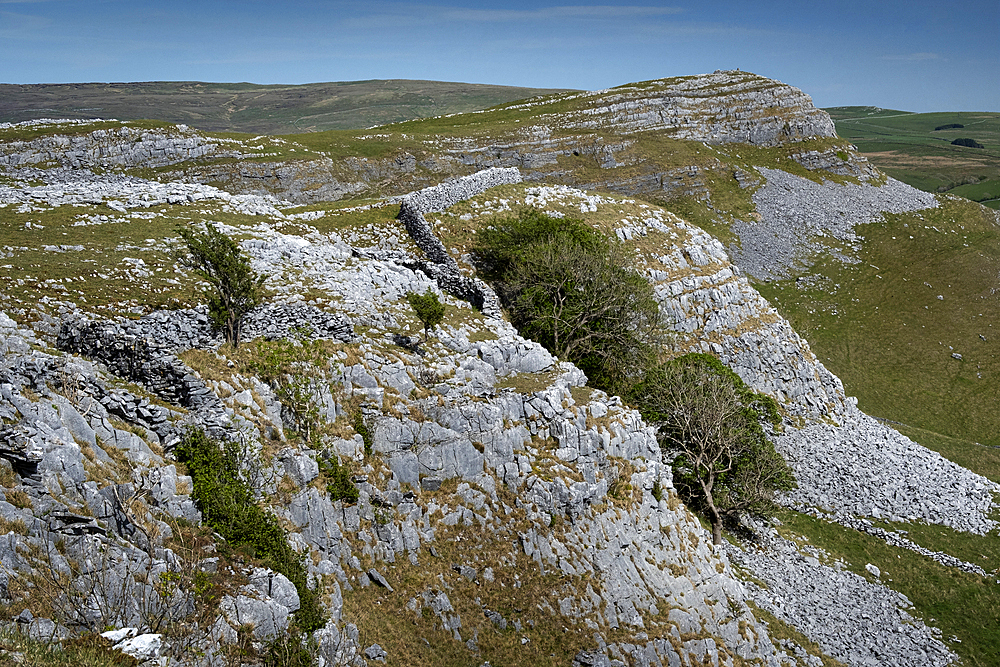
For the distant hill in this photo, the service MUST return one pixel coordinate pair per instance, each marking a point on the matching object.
(258, 109)
(917, 148)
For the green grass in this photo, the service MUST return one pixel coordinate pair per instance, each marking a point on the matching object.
(884, 332)
(907, 147)
(978, 191)
(980, 550)
(96, 276)
(960, 604)
(862, 113)
(258, 109)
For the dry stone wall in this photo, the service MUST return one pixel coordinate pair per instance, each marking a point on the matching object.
(443, 267)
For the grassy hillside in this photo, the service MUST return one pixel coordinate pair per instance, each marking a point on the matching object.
(907, 146)
(875, 324)
(925, 290)
(258, 109)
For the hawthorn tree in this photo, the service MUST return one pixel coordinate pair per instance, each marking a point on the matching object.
(713, 426)
(235, 289)
(429, 310)
(569, 287)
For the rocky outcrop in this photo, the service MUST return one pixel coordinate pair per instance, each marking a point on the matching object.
(116, 147)
(561, 458)
(718, 108)
(126, 195)
(303, 181)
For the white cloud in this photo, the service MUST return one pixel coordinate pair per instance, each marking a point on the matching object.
(913, 57)
(21, 25)
(564, 12)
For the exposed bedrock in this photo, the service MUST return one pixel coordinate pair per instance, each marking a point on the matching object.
(722, 107)
(114, 147)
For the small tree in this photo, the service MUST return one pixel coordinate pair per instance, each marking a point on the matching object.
(570, 288)
(428, 308)
(713, 425)
(235, 288)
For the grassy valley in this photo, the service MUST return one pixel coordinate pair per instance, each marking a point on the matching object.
(889, 326)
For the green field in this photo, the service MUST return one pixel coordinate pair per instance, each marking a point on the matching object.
(908, 147)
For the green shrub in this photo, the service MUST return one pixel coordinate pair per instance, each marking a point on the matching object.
(289, 651)
(428, 308)
(361, 428)
(568, 287)
(969, 143)
(235, 288)
(339, 484)
(290, 368)
(227, 504)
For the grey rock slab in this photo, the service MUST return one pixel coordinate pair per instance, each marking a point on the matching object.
(276, 586)
(145, 647)
(375, 652)
(75, 422)
(378, 579)
(300, 467)
(268, 618)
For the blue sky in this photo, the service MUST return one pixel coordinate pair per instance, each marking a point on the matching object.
(914, 55)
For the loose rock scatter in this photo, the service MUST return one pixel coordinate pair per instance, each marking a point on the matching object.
(796, 212)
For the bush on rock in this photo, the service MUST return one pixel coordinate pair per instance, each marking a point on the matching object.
(235, 288)
(713, 426)
(569, 287)
(428, 308)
